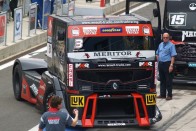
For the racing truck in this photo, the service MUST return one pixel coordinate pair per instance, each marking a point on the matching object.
(180, 24)
(102, 65)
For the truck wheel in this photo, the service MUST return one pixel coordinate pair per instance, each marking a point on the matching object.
(17, 82)
(48, 97)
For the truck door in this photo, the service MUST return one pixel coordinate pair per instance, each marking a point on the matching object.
(59, 49)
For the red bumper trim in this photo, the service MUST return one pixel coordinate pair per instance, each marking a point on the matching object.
(89, 122)
(141, 121)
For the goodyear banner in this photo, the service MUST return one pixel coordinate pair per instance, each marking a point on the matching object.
(18, 23)
(3, 26)
(46, 13)
(32, 18)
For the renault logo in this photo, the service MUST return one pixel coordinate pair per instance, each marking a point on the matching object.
(115, 86)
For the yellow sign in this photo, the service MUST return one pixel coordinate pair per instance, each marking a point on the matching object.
(77, 101)
(150, 99)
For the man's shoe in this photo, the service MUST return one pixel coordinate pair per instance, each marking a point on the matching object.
(161, 97)
(169, 98)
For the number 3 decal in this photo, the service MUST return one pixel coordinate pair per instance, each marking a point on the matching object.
(177, 19)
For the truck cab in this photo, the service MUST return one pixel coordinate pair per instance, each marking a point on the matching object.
(105, 63)
(179, 23)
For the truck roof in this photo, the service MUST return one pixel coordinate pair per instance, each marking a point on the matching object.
(112, 19)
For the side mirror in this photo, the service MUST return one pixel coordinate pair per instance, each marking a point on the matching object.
(155, 12)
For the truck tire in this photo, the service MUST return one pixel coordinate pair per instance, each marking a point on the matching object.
(17, 82)
(47, 98)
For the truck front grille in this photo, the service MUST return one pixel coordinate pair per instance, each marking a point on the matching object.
(122, 75)
(185, 51)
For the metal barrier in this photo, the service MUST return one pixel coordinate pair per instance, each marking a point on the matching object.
(17, 24)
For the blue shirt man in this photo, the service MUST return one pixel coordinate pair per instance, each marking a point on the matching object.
(166, 53)
(56, 119)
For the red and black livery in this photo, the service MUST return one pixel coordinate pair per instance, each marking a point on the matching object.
(103, 66)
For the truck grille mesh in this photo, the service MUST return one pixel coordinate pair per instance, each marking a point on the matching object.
(185, 52)
(103, 76)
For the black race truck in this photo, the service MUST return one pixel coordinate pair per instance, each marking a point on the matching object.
(179, 22)
(102, 65)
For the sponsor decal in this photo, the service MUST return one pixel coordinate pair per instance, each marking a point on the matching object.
(111, 22)
(82, 65)
(86, 55)
(150, 99)
(24, 86)
(132, 29)
(115, 86)
(34, 89)
(114, 53)
(75, 31)
(138, 54)
(49, 50)
(145, 64)
(105, 96)
(188, 34)
(192, 64)
(53, 120)
(111, 30)
(146, 30)
(90, 30)
(77, 101)
(114, 65)
(192, 6)
(70, 75)
(116, 124)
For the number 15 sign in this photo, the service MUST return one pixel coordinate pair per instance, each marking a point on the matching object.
(177, 19)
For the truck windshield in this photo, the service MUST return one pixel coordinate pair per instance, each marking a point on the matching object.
(180, 14)
(114, 43)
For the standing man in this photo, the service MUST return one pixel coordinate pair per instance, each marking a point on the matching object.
(13, 5)
(166, 53)
(56, 119)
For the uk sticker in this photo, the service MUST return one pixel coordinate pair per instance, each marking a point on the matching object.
(77, 101)
(151, 99)
(177, 19)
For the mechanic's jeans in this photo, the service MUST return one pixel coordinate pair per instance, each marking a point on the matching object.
(165, 79)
